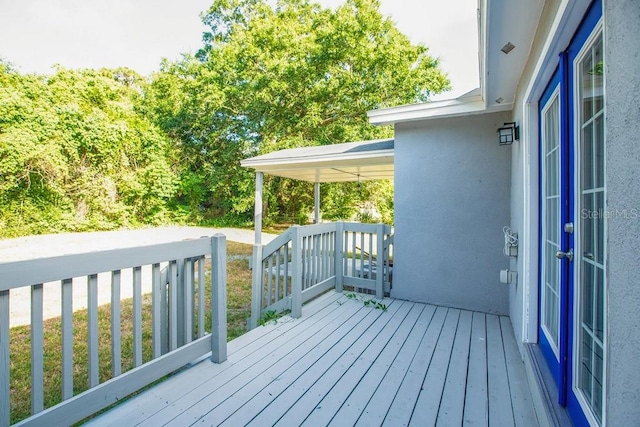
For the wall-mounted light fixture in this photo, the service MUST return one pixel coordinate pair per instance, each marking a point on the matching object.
(508, 133)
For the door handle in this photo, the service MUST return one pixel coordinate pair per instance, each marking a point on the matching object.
(568, 255)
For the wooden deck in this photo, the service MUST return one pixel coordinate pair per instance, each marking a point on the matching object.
(344, 363)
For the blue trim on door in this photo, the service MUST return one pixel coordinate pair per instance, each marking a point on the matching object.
(562, 368)
(566, 239)
(585, 29)
(545, 345)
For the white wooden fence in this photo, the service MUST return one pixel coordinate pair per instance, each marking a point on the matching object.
(304, 262)
(178, 310)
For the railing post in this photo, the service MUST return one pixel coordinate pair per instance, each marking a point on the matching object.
(218, 298)
(296, 273)
(380, 263)
(257, 285)
(338, 258)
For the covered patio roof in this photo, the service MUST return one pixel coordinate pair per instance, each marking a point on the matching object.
(351, 161)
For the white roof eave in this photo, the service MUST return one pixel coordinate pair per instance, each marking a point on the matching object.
(427, 110)
(265, 164)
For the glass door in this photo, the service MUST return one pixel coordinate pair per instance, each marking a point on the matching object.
(553, 210)
(589, 275)
(573, 218)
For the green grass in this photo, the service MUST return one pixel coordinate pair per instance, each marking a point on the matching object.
(238, 311)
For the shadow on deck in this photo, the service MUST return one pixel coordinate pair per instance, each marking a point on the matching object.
(344, 363)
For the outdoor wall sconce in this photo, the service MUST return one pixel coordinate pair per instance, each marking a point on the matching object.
(508, 133)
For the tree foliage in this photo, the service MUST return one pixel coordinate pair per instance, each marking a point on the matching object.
(95, 149)
(287, 75)
(76, 154)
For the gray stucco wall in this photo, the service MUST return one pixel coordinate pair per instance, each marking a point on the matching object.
(518, 160)
(622, 56)
(452, 183)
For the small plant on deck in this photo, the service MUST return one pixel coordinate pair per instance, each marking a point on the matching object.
(367, 302)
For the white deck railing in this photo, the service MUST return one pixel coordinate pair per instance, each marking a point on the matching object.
(304, 262)
(178, 331)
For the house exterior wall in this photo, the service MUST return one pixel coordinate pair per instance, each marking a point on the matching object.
(621, 38)
(622, 58)
(520, 158)
(448, 233)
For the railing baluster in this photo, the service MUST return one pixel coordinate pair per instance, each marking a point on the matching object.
(37, 346)
(327, 254)
(5, 388)
(362, 255)
(380, 265)
(92, 329)
(370, 276)
(164, 307)
(276, 279)
(156, 307)
(67, 339)
(137, 316)
(173, 305)
(187, 300)
(269, 280)
(285, 291)
(116, 328)
(180, 291)
(192, 300)
(316, 260)
(338, 256)
(303, 258)
(201, 305)
(354, 254)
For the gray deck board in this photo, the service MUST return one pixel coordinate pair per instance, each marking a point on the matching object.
(314, 365)
(402, 406)
(521, 402)
(379, 404)
(345, 364)
(426, 410)
(199, 402)
(476, 404)
(452, 401)
(378, 333)
(500, 412)
(359, 397)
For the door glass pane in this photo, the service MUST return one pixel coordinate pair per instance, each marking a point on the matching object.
(590, 251)
(551, 221)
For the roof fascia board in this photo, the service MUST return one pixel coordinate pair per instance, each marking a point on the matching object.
(305, 161)
(460, 110)
(483, 39)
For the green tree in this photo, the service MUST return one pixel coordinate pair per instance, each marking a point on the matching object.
(278, 76)
(76, 153)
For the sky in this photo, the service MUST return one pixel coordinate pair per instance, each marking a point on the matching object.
(36, 34)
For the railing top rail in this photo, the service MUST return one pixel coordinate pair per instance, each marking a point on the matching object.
(364, 227)
(310, 230)
(276, 244)
(26, 273)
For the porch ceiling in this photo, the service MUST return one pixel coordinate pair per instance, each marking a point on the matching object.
(351, 161)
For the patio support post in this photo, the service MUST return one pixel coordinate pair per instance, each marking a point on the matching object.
(257, 217)
(256, 293)
(316, 211)
(339, 257)
(380, 261)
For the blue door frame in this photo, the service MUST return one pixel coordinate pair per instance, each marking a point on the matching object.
(561, 365)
